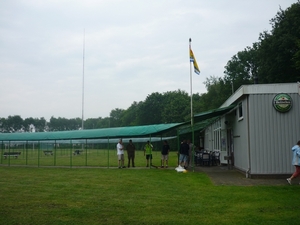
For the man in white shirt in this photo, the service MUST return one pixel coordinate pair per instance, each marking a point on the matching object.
(120, 153)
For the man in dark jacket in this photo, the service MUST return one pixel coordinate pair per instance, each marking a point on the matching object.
(165, 154)
(184, 154)
(130, 152)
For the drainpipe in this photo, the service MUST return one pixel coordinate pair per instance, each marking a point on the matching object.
(248, 172)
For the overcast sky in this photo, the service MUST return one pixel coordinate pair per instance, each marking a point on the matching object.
(133, 48)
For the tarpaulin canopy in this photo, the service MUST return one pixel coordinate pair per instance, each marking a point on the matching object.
(197, 126)
(203, 119)
(115, 132)
(118, 132)
(212, 113)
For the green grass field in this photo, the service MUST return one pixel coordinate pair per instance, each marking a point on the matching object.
(31, 195)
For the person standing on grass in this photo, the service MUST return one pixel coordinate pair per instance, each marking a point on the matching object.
(165, 154)
(183, 154)
(148, 153)
(131, 153)
(120, 153)
(295, 162)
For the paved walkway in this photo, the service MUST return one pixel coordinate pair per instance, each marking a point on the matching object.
(221, 175)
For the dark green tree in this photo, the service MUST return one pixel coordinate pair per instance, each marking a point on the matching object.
(150, 109)
(115, 117)
(130, 116)
(91, 123)
(27, 122)
(243, 67)
(218, 90)
(74, 124)
(60, 124)
(176, 107)
(275, 58)
(279, 49)
(40, 124)
(4, 125)
(14, 124)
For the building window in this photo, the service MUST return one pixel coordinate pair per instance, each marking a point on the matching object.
(217, 135)
(206, 140)
(240, 111)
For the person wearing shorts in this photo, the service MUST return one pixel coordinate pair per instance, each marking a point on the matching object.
(148, 153)
(120, 153)
(184, 154)
(165, 154)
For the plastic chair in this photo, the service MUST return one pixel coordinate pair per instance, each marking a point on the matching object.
(197, 158)
(216, 158)
(205, 159)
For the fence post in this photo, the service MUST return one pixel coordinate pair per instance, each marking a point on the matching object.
(2, 152)
(108, 153)
(86, 152)
(55, 152)
(71, 147)
(26, 153)
(39, 148)
(8, 153)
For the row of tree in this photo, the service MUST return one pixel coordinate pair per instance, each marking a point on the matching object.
(275, 58)
(169, 107)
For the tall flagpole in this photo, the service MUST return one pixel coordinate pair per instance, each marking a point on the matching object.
(192, 116)
(82, 122)
(191, 86)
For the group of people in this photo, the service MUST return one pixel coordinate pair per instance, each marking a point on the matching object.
(185, 154)
(130, 152)
(130, 148)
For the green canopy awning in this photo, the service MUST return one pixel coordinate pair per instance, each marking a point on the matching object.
(202, 120)
(212, 113)
(197, 126)
(115, 132)
(118, 132)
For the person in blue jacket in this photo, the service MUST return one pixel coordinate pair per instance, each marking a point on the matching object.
(295, 162)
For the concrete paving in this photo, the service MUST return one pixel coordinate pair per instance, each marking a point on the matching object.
(221, 175)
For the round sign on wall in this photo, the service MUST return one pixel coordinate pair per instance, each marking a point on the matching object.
(282, 102)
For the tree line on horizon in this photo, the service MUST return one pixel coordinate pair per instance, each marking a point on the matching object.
(275, 58)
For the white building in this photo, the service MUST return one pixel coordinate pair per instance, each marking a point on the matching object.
(257, 128)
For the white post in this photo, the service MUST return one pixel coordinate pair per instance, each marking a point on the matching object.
(83, 80)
